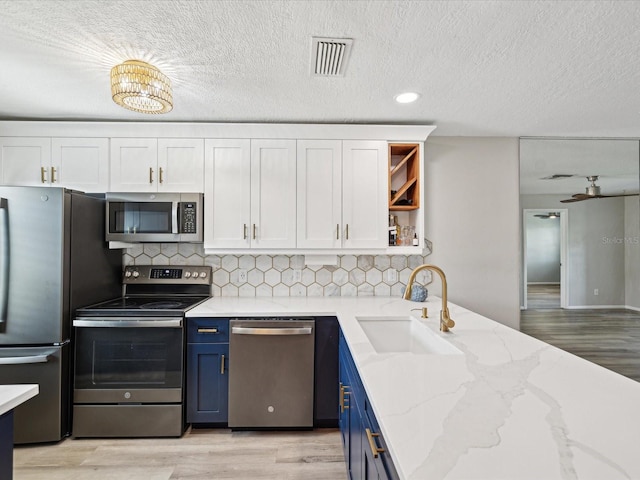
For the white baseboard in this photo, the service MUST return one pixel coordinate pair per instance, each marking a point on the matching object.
(635, 309)
(595, 307)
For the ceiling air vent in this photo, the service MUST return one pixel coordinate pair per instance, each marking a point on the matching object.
(329, 56)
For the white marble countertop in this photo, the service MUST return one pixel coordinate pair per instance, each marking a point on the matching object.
(13, 395)
(511, 407)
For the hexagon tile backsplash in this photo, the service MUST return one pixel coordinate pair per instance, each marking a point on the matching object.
(286, 275)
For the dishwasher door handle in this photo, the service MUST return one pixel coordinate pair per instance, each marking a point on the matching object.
(271, 331)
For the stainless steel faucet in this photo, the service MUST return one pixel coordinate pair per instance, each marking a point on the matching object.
(445, 320)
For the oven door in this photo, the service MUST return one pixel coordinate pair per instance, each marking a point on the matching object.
(128, 361)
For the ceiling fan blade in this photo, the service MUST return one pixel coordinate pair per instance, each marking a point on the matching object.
(621, 195)
(578, 197)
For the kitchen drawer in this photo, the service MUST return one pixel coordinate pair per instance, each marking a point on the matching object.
(207, 330)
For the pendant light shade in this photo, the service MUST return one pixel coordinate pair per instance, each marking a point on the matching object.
(141, 87)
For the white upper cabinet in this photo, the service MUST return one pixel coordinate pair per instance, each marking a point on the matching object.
(25, 161)
(80, 163)
(77, 163)
(227, 199)
(273, 194)
(181, 165)
(319, 194)
(250, 196)
(364, 194)
(157, 165)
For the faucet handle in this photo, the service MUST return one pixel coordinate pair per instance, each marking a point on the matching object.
(424, 311)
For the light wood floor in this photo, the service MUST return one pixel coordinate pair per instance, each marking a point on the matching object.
(610, 338)
(543, 296)
(199, 454)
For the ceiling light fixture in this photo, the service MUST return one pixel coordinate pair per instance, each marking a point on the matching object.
(407, 97)
(138, 86)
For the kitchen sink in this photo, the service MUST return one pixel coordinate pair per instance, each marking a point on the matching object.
(398, 334)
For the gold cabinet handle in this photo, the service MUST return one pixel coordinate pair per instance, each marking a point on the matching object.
(375, 450)
(343, 393)
(150, 175)
(337, 231)
(254, 231)
(43, 172)
(207, 330)
(160, 175)
(244, 231)
(222, 364)
(346, 234)
(53, 174)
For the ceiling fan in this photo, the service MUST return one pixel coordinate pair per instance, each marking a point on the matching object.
(548, 215)
(593, 191)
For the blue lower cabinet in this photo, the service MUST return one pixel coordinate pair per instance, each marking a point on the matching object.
(207, 372)
(364, 449)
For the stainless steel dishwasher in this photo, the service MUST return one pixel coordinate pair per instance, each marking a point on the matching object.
(271, 372)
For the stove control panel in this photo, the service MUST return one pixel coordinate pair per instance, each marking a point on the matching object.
(159, 274)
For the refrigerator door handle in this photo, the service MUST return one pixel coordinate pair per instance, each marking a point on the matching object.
(24, 360)
(4, 258)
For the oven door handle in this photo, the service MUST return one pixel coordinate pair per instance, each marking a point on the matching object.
(24, 360)
(116, 322)
(271, 331)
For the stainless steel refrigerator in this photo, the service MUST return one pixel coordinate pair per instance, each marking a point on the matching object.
(53, 259)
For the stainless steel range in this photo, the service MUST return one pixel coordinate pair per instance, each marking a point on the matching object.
(129, 354)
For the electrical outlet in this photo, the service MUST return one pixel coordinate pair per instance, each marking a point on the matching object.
(595, 291)
(242, 276)
(297, 275)
(392, 275)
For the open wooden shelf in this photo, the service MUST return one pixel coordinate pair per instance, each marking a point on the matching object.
(404, 174)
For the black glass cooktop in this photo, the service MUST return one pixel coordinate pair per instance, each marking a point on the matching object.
(143, 305)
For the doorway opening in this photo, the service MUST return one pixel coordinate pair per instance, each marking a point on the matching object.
(544, 258)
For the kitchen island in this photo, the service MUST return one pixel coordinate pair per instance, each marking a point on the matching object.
(510, 407)
(10, 397)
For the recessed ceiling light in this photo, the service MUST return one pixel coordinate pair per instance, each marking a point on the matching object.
(407, 97)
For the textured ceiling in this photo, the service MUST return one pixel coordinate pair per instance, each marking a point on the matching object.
(496, 68)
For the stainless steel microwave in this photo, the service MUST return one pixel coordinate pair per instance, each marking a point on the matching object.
(154, 217)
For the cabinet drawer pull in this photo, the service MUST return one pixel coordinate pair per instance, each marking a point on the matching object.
(343, 393)
(53, 174)
(372, 443)
(207, 330)
(150, 175)
(43, 172)
(160, 175)
(222, 364)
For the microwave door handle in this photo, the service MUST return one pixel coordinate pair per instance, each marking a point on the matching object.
(5, 259)
(175, 213)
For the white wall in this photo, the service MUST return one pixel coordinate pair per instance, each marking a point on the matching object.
(472, 217)
(543, 249)
(595, 253)
(632, 252)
